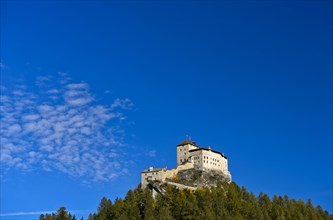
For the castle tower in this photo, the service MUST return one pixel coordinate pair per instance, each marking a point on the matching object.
(183, 149)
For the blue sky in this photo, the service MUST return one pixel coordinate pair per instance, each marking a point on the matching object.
(94, 92)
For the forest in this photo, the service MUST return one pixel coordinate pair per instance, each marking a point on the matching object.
(225, 202)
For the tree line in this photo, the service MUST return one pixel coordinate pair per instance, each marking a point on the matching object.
(225, 202)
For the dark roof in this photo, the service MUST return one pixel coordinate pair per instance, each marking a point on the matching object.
(185, 142)
(207, 149)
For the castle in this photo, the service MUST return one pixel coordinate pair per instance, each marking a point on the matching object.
(189, 156)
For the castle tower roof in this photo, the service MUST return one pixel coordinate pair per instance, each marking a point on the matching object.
(185, 142)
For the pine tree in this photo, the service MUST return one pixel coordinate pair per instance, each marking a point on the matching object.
(265, 206)
(234, 201)
(118, 209)
(147, 205)
(162, 207)
(131, 205)
(104, 210)
(224, 202)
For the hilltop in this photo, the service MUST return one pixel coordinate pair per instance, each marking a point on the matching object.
(225, 202)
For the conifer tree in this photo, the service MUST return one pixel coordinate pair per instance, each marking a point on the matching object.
(147, 205)
(223, 202)
(131, 205)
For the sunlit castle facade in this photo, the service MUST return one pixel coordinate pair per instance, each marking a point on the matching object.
(202, 158)
(189, 156)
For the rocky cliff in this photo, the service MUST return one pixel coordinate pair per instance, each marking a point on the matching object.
(198, 178)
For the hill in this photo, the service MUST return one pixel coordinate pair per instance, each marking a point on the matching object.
(225, 202)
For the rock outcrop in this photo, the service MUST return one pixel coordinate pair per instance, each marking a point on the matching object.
(199, 178)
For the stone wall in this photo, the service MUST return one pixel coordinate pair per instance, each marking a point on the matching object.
(171, 173)
(183, 153)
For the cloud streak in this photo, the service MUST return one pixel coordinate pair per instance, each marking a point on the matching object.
(38, 213)
(61, 128)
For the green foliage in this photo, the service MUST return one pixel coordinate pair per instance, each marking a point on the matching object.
(61, 214)
(224, 202)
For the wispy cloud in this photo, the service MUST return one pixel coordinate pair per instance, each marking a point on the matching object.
(122, 103)
(38, 213)
(24, 213)
(151, 153)
(61, 128)
(2, 65)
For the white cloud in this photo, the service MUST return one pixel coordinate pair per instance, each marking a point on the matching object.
(122, 103)
(44, 108)
(42, 80)
(151, 153)
(30, 117)
(72, 134)
(77, 94)
(13, 129)
(2, 65)
(18, 93)
(53, 91)
(78, 101)
(24, 213)
(39, 213)
(78, 86)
